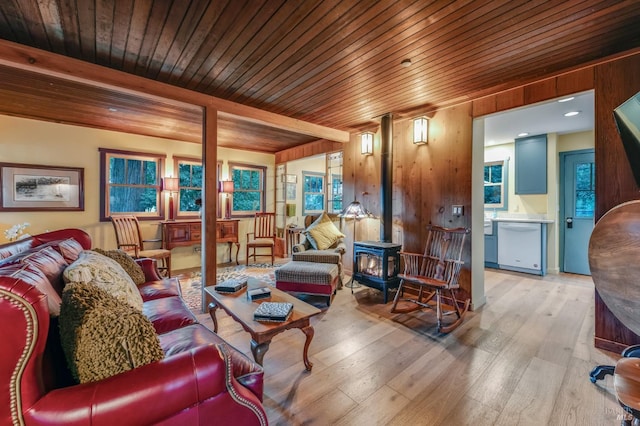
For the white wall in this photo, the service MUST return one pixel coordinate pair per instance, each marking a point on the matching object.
(316, 164)
(28, 141)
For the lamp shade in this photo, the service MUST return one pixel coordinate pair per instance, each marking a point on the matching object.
(420, 130)
(170, 184)
(355, 210)
(226, 186)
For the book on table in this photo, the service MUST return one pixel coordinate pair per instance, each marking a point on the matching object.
(259, 293)
(273, 311)
(231, 286)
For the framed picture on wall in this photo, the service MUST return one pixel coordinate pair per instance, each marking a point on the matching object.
(32, 187)
(291, 191)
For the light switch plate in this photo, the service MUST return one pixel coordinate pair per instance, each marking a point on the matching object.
(457, 210)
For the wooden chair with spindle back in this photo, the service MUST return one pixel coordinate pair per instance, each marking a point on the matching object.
(434, 272)
(129, 239)
(263, 236)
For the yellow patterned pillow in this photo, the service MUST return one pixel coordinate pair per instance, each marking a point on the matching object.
(323, 233)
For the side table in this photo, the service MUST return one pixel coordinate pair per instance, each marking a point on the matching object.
(293, 238)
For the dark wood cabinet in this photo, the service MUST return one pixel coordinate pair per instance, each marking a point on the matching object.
(181, 233)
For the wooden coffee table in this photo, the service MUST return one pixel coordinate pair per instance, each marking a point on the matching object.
(241, 309)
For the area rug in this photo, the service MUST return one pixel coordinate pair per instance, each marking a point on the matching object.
(192, 285)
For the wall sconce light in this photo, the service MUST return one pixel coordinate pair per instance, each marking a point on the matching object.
(366, 143)
(420, 130)
(171, 185)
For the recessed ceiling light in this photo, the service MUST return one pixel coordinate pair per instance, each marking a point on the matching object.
(406, 62)
(571, 113)
(523, 134)
(566, 99)
(112, 109)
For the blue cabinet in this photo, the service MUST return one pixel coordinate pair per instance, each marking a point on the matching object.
(491, 247)
(531, 165)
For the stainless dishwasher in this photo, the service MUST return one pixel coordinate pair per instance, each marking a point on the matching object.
(520, 245)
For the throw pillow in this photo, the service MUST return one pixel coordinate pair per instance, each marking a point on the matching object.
(106, 273)
(33, 275)
(127, 262)
(51, 263)
(101, 336)
(322, 233)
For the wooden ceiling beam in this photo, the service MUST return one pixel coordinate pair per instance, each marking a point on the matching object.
(27, 58)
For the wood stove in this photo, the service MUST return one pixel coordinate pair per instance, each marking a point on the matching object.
(376, 264)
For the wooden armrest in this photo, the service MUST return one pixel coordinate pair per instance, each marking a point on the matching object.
(134, 246)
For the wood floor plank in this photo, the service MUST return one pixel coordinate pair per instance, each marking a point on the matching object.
(378, 409)
(528, 350)
(532, 401)
(581, 403)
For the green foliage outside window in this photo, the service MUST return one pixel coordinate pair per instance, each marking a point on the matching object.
(133, 185)
(190, 182)
(494, 185)
(313, 192)
(585, 188)
(248, 189)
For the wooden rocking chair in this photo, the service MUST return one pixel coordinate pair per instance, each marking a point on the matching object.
(432, 273)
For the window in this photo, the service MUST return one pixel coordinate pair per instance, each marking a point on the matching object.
(336, 194)
(334, 184)
(312, 193)
(190, 173)
(130, 184)
(585, 188)
(248, 192)
(495, 178)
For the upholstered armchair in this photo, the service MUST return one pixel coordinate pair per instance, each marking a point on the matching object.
(323, 243)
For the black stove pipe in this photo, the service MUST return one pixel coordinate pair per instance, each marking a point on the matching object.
(386, 178)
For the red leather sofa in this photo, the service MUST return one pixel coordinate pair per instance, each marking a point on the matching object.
(201, 380)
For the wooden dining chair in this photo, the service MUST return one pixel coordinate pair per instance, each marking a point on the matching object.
(262, 237)
(432, 275)
(129, 239)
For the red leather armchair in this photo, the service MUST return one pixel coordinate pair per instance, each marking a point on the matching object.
(207, 382)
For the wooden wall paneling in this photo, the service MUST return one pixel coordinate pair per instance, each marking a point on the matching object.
(540, 91)
(615, 82)
(510, 99)
(349, 190)
(411, 160)
(312, 148)
(575, 81)
(484, 106)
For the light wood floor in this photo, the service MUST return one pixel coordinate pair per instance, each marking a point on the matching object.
(522, 359)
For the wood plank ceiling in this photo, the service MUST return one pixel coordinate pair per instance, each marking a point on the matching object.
(333, 63)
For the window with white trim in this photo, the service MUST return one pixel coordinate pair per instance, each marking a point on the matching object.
(312, 193)
(495, 184)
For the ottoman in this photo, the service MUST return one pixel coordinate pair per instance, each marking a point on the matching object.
(308, 278)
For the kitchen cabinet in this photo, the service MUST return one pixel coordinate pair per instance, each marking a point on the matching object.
(491, 247)
(531, 165)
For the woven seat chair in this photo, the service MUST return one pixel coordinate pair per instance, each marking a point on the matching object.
(433, 273)
(129, 239)
(262, 237)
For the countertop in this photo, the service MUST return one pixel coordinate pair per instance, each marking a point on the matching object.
(519, 219)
